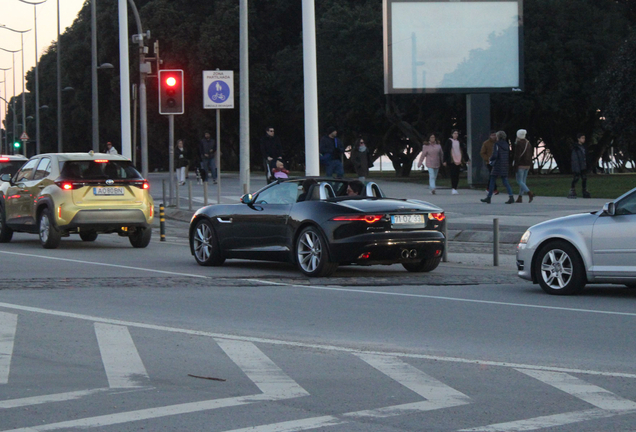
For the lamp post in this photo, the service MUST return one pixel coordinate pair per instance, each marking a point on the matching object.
(6, 138)
(13, 97)
(37, 81)
(6, 134)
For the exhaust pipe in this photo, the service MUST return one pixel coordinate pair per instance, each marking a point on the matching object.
(405, 253)
(413, 253)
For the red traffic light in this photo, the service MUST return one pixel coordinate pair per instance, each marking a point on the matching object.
(171, 91)
(171, 81)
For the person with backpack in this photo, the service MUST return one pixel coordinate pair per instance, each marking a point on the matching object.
(522, 163)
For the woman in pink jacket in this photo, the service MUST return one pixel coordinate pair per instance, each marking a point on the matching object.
(434, 155)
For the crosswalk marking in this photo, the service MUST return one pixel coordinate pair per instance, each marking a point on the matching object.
(123, 366)
(295, 425)
(58, 397)
(608, 404)
(8, 324)
(269, 378)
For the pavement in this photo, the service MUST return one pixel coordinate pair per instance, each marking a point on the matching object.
(469, 221)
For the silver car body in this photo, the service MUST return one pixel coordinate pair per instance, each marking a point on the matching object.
(605, 240)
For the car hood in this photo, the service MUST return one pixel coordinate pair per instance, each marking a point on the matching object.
(389, 204)
(568, 221)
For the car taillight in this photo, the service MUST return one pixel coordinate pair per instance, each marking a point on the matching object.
(100, 160)
(146, 185)
(4, 159)
(366, 218)
(140, 184)
(66, 185)
(437, 216)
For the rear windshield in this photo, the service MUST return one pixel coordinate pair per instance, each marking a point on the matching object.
(91, 170)
(10, 167)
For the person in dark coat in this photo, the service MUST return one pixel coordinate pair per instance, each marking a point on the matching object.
(500, 166)
(207, 152)
(360, 156)
(331, 149)
(271, 150)
(455, 155)
(579, 167)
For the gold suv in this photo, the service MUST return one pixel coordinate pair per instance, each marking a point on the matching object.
(58, 194)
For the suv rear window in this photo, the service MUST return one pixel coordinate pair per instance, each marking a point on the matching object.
(91, 170)
(10, 167)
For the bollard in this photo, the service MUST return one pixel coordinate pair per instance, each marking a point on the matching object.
(162, 222)
(205, 193)
(445, 255)
(176, 188)
(495, 242)
(163, 189)
(189, 195)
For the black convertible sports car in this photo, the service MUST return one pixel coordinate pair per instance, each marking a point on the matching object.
(313, 223)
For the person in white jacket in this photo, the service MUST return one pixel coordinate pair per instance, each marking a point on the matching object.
(110, 149)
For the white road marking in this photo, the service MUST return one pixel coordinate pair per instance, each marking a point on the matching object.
(123, 366)
(607, 404)
(437, 394)
(101, 264)
(8, 325)
(295, 425)
(307, 345)
(594, 395)
(58, 397)
(269, 378)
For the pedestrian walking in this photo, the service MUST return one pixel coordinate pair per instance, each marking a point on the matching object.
(434, 155)
(486, 151)
(455, 155)
(271, 151)
(181, 162)
(522, 163)
(331, 152)
(361, 158)
(579, 167)
(110, 149)
(500, 166)
(207, 151)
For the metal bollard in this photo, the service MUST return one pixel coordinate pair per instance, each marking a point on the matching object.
(162, 222)
(189, 195)
(205, 193)
(176, 188)
(495, 241)
(163, 190)
(445, 255)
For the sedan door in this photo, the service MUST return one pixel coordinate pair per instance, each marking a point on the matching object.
(614, 241)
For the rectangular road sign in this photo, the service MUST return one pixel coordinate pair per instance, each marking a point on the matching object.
(218, 89)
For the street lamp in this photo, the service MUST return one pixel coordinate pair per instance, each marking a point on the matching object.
(13, 97)
(23, 74)
(37, 81)
(6, 135)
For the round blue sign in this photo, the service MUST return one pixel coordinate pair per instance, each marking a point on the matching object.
(218, 91)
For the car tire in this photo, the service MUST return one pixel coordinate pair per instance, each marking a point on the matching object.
(6, 233)
(140, 237)
(559, 269)
(426, 265)
(88, 236)
(206, 245)
(312, 255)
(50, 235)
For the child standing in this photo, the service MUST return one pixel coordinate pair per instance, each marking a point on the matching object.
(434, 155)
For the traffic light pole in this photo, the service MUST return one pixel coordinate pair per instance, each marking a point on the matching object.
(171, 154)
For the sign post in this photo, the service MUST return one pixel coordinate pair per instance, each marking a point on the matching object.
(218, 93)
(24, 138)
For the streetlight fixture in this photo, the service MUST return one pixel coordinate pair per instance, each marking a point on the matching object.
(13, 97)
(23, 74)
(6, 135)
(37, 81)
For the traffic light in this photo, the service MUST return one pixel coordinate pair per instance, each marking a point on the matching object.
(16, 144)
(171, 91)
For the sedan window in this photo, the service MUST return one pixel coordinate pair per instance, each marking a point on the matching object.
(27, 171)
(627, 205)
(282, 193)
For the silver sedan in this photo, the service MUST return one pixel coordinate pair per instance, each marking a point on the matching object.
(564, 254)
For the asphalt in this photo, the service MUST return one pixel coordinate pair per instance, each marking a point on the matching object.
(469, 221)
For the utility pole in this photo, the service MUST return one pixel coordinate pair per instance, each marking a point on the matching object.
(244, 140)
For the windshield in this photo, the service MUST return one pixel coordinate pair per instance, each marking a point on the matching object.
(10, 167)
(91, 170)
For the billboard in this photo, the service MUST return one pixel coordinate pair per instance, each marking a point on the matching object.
(469, 46)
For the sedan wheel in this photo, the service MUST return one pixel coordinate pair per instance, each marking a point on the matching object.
(426, 265)
(88, 236)
(139, 238)
(205, 244)
(559, 269)
(50, 236)
(312, 255)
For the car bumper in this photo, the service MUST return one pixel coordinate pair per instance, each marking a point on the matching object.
(524, 262)
(388, 248)
(109, 220)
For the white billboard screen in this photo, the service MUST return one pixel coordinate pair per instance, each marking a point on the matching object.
(453, 46)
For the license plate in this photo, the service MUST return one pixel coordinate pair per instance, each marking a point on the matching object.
(410, 219)
(100, 191)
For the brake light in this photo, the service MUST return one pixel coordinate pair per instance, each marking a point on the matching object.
(146, 185)
(100, 160)
(437, 216)
(4, 159)
(367, 218)
(65, 185)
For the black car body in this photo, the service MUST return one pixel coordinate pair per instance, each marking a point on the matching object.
(326, 229)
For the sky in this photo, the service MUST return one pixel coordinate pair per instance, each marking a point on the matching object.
(19, 16)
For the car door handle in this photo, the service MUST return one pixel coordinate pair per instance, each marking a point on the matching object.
(227, 221)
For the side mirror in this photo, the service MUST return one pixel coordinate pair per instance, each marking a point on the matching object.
(609, 208)
(247, 199)
(5, 177)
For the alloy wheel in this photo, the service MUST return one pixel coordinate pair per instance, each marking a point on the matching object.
(309, 251)
(202, 242)
(45, 228)
(556, 269)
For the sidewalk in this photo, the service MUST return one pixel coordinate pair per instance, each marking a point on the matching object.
(468, 219)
